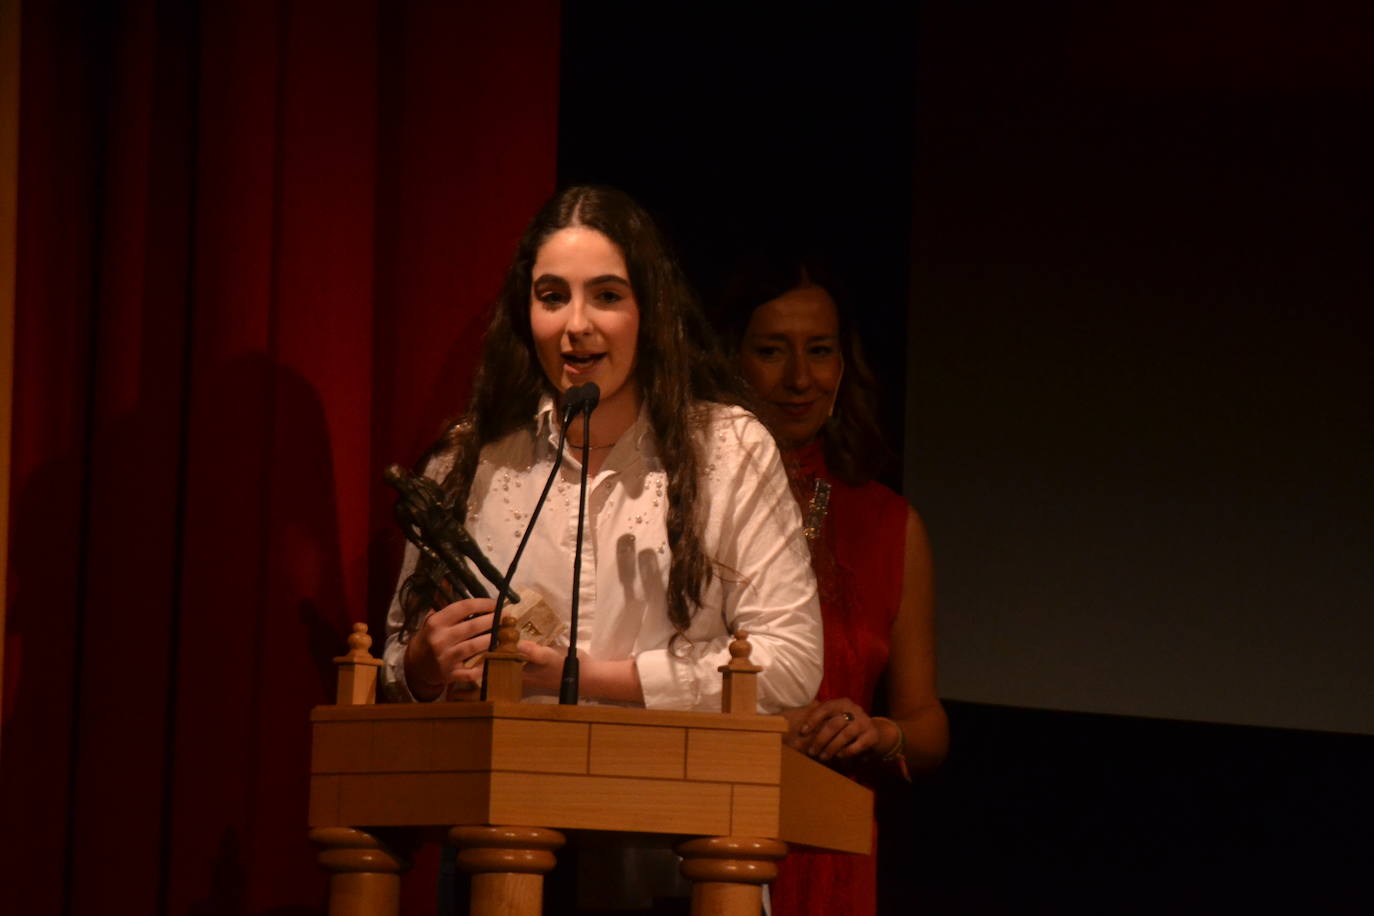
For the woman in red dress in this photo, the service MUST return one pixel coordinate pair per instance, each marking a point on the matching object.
(870, 554)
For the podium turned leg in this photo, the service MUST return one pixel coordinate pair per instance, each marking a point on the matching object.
(728, 873)
(364, 876)
(507, 865)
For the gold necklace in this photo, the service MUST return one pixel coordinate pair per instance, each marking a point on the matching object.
(816, 509)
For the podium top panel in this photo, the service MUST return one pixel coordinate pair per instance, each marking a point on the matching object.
(549, 712)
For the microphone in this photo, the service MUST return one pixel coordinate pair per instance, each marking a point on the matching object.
(578, 399)
(587, 397)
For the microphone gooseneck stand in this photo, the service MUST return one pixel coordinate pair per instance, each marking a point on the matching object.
(567, 689)
(578, 399)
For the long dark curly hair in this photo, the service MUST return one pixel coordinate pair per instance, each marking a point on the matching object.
(855, 448)
(678, 367)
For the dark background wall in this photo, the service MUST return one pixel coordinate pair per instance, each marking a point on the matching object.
(1119, 254)
(1121, 259)
(775, 122)
(1140, 418)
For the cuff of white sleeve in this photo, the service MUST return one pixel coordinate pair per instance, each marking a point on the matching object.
(399, 691)
(661, 682)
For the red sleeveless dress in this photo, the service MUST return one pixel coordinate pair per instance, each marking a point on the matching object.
(858, 559)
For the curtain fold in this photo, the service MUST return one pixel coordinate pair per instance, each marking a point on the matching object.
(257, 246)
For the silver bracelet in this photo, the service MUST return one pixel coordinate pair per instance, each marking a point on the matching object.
(896, 750)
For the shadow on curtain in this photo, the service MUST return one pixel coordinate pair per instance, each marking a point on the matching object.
(257, 243)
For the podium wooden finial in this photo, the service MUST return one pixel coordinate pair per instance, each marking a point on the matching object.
(740, 650)
(507, 637)
(359, 642)
(505, 665)
(739, 688)
(357, 670)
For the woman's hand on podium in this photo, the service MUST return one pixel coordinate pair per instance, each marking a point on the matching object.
(544, 664)
(602, 679)
(833, 730)
(437, 653)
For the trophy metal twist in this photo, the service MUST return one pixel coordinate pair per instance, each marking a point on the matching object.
(426, 516)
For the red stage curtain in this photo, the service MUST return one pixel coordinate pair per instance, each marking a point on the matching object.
(257, 243)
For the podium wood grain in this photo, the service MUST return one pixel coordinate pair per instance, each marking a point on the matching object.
(504, 776)
(577, 767)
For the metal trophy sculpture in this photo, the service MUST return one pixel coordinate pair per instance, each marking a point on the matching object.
(425, 514)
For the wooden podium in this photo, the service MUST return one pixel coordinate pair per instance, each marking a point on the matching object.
(503, 777)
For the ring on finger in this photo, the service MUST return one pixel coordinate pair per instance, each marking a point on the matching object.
(848, 716)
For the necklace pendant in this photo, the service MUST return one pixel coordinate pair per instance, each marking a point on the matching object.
(816, 509)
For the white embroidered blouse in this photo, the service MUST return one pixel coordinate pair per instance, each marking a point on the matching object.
(762, 579)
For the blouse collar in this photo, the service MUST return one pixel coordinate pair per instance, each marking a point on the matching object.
(636, 439)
